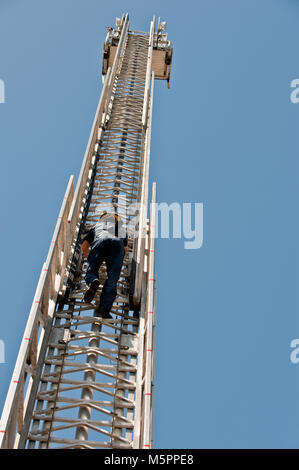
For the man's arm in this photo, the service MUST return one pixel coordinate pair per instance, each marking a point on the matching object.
(87, 241)
(85, 248)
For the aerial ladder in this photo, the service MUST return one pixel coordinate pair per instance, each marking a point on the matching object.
(82, 381)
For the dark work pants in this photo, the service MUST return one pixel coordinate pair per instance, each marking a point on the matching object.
(110, 250)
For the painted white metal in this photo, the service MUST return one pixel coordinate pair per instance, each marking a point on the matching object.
(148, 74)
(147, 430)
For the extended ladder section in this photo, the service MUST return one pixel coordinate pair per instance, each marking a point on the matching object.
(81, 381)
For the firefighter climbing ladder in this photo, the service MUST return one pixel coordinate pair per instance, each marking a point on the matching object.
(81, 381)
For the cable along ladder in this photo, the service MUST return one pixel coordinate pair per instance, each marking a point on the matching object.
(81, 381)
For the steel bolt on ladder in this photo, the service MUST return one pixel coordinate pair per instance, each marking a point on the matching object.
(81, 381)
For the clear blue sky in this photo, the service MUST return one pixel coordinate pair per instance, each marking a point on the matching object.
(226, 135)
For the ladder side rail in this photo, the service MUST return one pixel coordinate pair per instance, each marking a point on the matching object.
(139, 375)
(153, 234)
(14, 398)
(153, 361)
(143, 204)
(147, 410)
(138, 249)
(42, 309)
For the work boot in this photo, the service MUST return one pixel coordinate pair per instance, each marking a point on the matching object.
(104, 313)
(91, 292)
